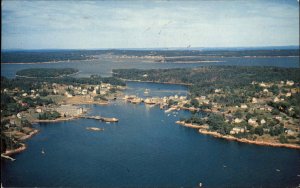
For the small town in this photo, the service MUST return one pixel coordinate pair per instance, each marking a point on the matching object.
(51, 103)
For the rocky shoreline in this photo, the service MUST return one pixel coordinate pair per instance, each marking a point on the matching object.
(35, 131)
(14, 151)
(242, 140)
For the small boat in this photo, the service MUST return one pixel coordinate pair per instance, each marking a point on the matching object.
(277, 170)
(94, 129)
(146, 91)
(43, 152)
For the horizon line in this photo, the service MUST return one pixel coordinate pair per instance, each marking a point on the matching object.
(151, 48)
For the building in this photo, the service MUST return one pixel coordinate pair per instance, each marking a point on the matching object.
(84, 91)
(254, 100)
(252, 122)
(290, 83)
(237, 130)
(218, 90)
(262, 121)
(69, 110)
(238, 120)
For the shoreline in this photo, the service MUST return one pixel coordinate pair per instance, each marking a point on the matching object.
(35, 131)
(54, 120)
(172, 83)
(64, 75)
(190, 125)
(15, 151)
(242, 140)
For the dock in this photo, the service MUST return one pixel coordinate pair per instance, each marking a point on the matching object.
(105, 119)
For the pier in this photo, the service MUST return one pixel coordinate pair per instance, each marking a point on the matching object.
(105, 119)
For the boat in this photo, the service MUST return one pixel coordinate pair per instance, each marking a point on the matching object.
(43, 152)
(146, 91)
(94, 129)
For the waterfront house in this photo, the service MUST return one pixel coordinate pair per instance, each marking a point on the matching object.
(68, 94)
(262, 84)
(290, 83)
(289, 132)
(237, 130)
(69, 110)
(84, 91)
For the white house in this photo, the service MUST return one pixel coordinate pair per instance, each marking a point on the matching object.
(290, 83)
(252, 122)
(84, 91)
(238, 120)
(262, 121)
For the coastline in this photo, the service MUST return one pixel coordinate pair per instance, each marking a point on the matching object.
(35, 131)
(20, 76)
(172, 83)
(190, 125)
(14, 151)
(54, 120)
(242, 140)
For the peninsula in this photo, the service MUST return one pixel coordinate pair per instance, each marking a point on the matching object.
(48, 95)
(257, 105)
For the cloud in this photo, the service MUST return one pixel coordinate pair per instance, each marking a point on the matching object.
(113, 24)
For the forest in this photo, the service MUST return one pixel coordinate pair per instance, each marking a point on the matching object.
(207, 79)
(46, 72)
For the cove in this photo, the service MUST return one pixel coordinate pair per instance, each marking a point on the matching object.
(145, 148)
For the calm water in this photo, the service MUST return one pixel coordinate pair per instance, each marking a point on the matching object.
(104, 68)
(145, 148)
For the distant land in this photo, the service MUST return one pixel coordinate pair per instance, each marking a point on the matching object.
(169, 48)
(152, 55)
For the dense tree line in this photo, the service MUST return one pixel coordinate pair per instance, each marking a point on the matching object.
(46, 72)
(206, 79)
(49, 115)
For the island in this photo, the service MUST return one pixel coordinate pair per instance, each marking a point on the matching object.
(46, 72)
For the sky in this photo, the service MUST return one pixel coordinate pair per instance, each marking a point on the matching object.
(148, 24)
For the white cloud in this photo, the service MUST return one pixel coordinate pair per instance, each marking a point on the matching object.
(112, 24)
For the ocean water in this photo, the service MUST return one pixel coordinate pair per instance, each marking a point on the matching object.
(146, 148)
(104, 67)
